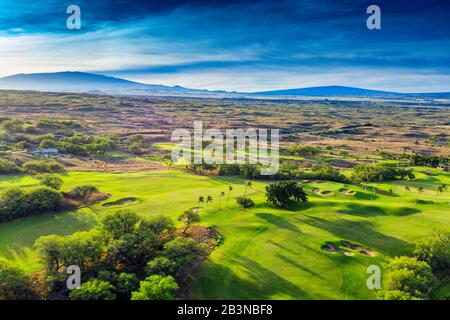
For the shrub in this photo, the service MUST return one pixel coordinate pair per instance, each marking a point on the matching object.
(50, 180)
(94, 289)
(14, 284)
(245, 202)
(36, 167)
(156, 287)
(7, 167)
(47, 144)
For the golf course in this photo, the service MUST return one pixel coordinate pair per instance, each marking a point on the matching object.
(319, 250)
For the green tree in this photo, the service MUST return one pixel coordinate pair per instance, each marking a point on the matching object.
(245, 202)
(184, 252)
(156, 287)
(84, 192)
(283, 193)
(247, 185)
(230, 188)
(410, 276)
(435, 250)
(222, 194)
(94, 289)
(419, 192)
(201, 199)
(50, 180)
(189, 217)
(208, 200)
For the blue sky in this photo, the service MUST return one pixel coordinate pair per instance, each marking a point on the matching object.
(235, 45)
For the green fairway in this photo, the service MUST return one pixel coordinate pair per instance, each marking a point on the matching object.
(267, 253)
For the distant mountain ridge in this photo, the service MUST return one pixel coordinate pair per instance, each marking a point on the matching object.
(79, 82)
(73, 81)
(327, 91)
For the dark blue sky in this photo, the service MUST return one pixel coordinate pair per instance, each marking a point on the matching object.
(235, 45)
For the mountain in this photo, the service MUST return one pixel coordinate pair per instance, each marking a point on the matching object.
(97, 83)
(327, 91)
(83, 82)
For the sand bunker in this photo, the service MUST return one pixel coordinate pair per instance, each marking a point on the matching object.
(347, 191)
(360, 249)
(120, 202)
(346, 248)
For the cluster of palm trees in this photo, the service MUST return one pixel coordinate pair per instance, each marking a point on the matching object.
(209, 198)
(439, 191)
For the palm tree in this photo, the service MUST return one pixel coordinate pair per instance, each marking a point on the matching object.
(200, 200)
(230, 188)
(220, 197)
(208, 200)
(419, 191)
(407, 189)
(440, 189)
(247, 185)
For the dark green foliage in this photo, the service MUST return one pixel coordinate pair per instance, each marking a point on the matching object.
(305, 151)
(83, 249)
(229, 170)
(409, 276)
(395, 295)
(245, 202)
(50, 180)
(285, 193)
(47, 144)
(94, 289)
(135, 149)
(126, 283)
(435, 251)
(378, 173)
(184, 252)
(160, 265)
(123, 246)
(14, 284)
(8, 167)
(42, 167)
(326, 173)
(17, 203)
(70, 148)
(156, 287)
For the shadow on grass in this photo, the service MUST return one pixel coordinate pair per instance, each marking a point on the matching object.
(278, 221)
(373, 211)
(221, 282)
(362, 232)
